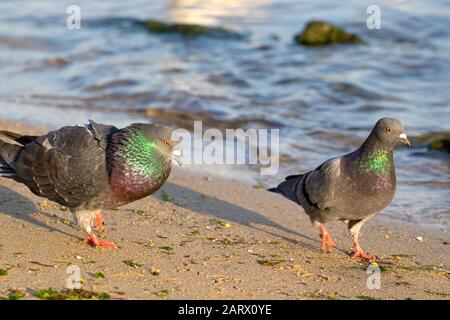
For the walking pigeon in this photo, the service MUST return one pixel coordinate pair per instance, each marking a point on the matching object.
(90, 168)
(351, 188)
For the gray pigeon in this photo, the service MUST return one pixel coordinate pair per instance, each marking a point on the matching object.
(351, 188)
(92, 167)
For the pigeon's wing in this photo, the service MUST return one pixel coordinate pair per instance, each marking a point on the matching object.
(101, 132)
(67, 166)
(320, 183)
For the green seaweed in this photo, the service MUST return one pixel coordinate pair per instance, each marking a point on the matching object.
(3, 272)
(193, 233)
(366, 297)
(167, 249)
(320, 295)
(402, 283)
(219, 223)
(14, 295)
(364, 268)
(442, 294)
(162, 293)
(402, 255)
(99, 275)
(132, 264)
(270, 262)
(165, 197)
(139, 212)
(70, 294)
(145, 243)
(224, 241)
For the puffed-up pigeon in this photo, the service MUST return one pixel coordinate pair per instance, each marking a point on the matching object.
(90, 168)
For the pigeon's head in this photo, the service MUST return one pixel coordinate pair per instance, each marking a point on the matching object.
(390, 131)
(161, 139)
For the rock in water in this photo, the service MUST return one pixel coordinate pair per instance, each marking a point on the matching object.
(440, 145)
(433, 141)
(89, 168)
(350, 188)
(190, 30)
(317, 33)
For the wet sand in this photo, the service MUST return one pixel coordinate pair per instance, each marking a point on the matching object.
(207, 238)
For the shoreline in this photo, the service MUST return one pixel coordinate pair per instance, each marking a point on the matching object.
(205, 237)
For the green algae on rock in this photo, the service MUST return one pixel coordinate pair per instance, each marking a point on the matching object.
(190, 30)
(439, 141)
(440, 145)
(317, 33)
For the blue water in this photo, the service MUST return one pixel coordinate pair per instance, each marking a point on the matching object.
(324, 100)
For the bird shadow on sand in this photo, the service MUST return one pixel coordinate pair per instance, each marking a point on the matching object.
(19, 207)
(212, 206)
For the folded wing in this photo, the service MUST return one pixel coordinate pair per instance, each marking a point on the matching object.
(67, 166)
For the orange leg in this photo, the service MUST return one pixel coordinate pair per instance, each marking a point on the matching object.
(100, 222)
(327, 242)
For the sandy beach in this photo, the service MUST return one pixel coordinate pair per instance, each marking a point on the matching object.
(203, 237)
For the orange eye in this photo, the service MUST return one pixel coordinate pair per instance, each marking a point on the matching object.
(388, 130)
(166, 142)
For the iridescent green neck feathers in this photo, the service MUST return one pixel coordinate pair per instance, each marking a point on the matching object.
(377, 161)
(143, 156)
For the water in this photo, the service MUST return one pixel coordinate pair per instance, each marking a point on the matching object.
(325, 100)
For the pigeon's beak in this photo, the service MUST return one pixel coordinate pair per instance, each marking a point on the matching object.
(403, 138)
(176, 155)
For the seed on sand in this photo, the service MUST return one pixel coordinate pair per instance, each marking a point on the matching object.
(162, 293)
(155, 272)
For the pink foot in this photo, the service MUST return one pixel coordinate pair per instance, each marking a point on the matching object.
(95, 242)
(359, 253)
(362, 255)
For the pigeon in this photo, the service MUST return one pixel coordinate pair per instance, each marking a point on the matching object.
(91, 168)
(351, 188)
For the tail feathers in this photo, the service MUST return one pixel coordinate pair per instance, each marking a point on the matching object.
(6, 170)
(8, 154)
(17, 137)
(294, 176)
(288, 188)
